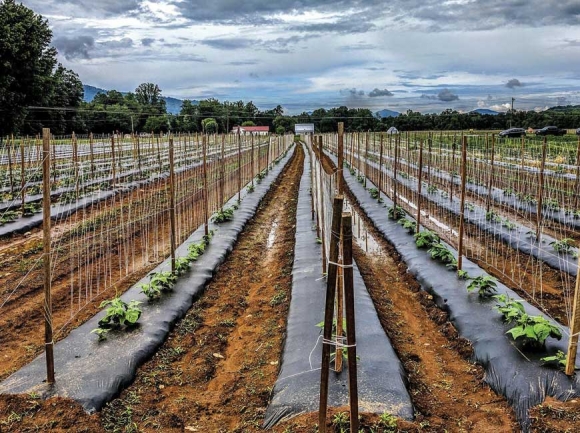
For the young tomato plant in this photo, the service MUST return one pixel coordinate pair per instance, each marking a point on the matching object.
(426, 239)
(182, 265)
(410, 226)
(534, 330)
(119, 314)
(558, 360)
(563, 246)
(396, 214)
(374, 192)
(159, 282)
(223, 215)
(440, 252)
(485, 286)
(510, 309)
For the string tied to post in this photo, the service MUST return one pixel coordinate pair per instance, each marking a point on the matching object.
(341, 265)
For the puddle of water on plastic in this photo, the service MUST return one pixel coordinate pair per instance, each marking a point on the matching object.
(362, 237)
(272, 235)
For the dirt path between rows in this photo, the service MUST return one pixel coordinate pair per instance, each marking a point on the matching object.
(217, 368)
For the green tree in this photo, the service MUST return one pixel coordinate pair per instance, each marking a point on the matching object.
(248, 123)
(26, 63)
(209, 125)
(149, 96)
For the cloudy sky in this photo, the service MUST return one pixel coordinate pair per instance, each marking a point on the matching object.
(425, 55)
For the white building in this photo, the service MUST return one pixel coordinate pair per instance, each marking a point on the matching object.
(304, 128)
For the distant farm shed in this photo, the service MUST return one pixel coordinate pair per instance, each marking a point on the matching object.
(392, 130)
(304, 128)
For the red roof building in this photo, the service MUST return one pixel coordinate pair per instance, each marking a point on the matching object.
(257, 130)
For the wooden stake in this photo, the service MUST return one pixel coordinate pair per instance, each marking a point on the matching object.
(48, 343)
(205, 194)
(577, 181)
(340, 151)
(321, 208)
(348, 276)
(329, 311)
(397, 139)
(76, 163)
(10, 175)
(253, 173)
(22, 177)
(491, 174)
(92, 154)
(574, 329)
(541, 190)
(172, 204)
(222, 172)
(380, 185)
(239, 166)
(113, 157)
(420, 185)
(462, 201)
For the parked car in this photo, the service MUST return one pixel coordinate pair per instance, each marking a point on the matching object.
(550, 130)
(513, 132)
(578, 131)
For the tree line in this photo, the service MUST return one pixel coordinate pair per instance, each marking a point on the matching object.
(36, 91)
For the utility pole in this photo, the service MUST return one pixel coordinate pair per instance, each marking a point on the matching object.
(512, 111)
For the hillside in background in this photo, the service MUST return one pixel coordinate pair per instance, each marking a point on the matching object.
(173, 104)
(387, 113)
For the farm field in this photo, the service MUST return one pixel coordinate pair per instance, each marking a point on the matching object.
(226, 241)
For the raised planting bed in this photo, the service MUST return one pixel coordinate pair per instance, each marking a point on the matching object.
(510, 369)
(93, 372)
(381, 379)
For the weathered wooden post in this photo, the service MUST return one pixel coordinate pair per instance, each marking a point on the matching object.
(419, 185)
(491, 175)
(22, 177)
(541, 190)
(172, 204)
(205, 192)
(92, 154)
(48, 339)
(380, 185)
(577, 181)
(348, 277)
(113, 158)
(462, 201)
(10, 175)
(574, 329)
(329, 310)
(340, 151)
(239, 166)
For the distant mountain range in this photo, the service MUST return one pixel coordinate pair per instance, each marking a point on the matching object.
(485, 111)
(387, 113)
(173, 104)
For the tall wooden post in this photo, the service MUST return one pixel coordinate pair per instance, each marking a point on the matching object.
(76, 163)
(22, 177)
(329, 311)
(420, 185)
(253, 173)
(239, 166)
(321, 207)
(172, 204)
(380, 185)
(395, 166)
(340, 151)
(366, 161)
(348, 276)
(48, 343)
(222, 171)
(113, 157)
(574, 329)
(577, 181)
(541, 190)
(205, 192)
(462, 201)
(491, 175)
(92, 154)
(10, 175)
